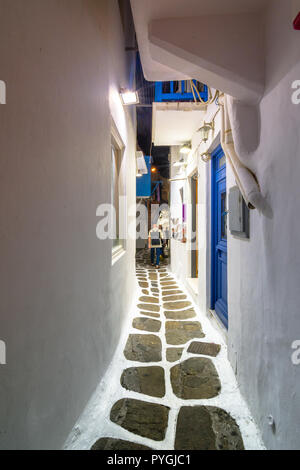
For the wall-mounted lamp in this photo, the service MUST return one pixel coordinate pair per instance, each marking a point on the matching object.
(185, 149)
(206, 157)
(129, 97)
(179, 163)
(153, 169)
(204, 130)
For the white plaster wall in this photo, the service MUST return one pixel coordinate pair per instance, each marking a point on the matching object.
(179, 254)
(62, 303)
(264, 272)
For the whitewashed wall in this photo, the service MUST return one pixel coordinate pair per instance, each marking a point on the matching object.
(62, 303)
(263, 272)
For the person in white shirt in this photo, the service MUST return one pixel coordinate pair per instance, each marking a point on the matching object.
(155, 244)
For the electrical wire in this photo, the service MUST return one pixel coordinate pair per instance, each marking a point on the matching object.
(210, 99)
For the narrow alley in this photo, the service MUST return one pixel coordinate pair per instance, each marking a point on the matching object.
(170, 385)
(149, 229)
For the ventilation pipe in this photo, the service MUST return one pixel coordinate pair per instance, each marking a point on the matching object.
(245, 179)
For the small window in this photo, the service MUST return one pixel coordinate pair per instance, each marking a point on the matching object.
(118, 191)
(223, 216)
(115, 192)
(222, 161)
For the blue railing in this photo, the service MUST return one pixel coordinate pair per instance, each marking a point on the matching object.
(179, 91)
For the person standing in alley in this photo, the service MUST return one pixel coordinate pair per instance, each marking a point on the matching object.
(155, 244)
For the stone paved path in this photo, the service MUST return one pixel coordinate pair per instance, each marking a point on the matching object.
(166, 397)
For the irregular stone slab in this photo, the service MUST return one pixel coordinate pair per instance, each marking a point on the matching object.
(109, 443)
(153, 277)
(143, 348)
(147, 380)
(174, 354)
(154, 284)
(170, 287)
(146, 292)
(207, 428)
(151, 314)
(154, 289)
(171, 292)
(151, 300)
(167, 283)
(180, 315)
(195, 379)
(171, 298)
(150, 307)
(177, 305)
(143, 284)
(139, 417)
(179, 332)
(146, 324)
(207, 349)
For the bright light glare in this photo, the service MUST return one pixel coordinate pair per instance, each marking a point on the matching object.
(129, 97)
(185, 149)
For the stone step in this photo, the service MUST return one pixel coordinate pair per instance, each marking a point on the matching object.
(147, 380)
(207, 428)
(143, 418)
(143, 348)
(195, 379)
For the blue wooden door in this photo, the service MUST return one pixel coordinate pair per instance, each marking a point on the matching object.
(219, 236)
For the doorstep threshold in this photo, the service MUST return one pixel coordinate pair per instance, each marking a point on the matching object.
(215, 320)
(193, 284)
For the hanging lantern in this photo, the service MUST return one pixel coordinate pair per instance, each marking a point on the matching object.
(204, 131)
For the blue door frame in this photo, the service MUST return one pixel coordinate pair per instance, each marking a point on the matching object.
(219, 236)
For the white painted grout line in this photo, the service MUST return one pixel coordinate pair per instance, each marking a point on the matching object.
(95, 423)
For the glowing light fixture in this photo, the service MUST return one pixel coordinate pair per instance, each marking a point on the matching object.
(153, 169)
(179, 163)
(129, 97)
(206, 157)
(185, 149)
(204, 130)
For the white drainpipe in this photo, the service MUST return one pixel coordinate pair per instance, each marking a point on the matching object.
(244, 177)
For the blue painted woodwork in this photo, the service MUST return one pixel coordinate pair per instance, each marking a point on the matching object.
(219, 236)
(166, 91)
(143, 183)
(156, 185)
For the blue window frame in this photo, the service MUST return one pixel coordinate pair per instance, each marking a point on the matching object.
(176, 91)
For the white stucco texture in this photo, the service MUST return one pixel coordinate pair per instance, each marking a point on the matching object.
(62, 304)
